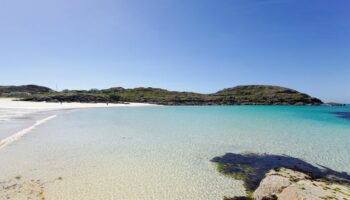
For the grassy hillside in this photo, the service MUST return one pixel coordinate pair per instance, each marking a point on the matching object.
(266, 94)
(23, 90)
(240, 95)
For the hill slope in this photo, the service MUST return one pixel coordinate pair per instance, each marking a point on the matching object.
(266, 94)
(23, 90)
(240, 95)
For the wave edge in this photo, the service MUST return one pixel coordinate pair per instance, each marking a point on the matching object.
(6, 141)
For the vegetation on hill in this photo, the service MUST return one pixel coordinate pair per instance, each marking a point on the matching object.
(240, 95)
(23, 90)
(266, 94)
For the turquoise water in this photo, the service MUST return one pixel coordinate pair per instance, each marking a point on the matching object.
(164, 152)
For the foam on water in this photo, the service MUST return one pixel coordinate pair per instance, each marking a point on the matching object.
(165, 152)
(13, 120)
(6, 141)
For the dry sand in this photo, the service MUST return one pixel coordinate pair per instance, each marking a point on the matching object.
(8, 103)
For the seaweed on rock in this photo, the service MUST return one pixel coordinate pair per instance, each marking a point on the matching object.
(251, 168)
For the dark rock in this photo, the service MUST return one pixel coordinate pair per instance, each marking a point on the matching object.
(251, 168)
(237, 198)
(344, 115)
(334, 104)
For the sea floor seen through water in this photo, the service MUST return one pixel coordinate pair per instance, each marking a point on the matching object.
(164, 152)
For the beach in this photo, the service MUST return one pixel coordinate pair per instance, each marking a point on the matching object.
(19, 117)
(174, 100)
(10, 103)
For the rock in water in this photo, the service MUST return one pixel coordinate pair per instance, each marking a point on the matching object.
(272, 177)
(286, 184)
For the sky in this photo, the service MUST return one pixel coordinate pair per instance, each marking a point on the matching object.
(187, 45)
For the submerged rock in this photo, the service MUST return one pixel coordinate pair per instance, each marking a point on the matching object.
(268, 177)
(344, 115)
(334, 104)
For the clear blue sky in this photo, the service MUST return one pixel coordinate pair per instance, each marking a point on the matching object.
(192, 45)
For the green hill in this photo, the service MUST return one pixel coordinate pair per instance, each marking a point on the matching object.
(266, 94)
(23, 90)
(240, 95)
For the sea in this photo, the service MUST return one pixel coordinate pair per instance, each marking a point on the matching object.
(160, 152)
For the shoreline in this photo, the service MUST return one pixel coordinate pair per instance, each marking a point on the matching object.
(16, 136)
(19, 110)
(12, 103)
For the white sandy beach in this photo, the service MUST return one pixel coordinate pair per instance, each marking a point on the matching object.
(8, 103)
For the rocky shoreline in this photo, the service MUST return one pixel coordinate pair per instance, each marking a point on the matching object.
(285, 184)
(239, 95)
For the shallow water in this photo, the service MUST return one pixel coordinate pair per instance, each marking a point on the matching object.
(14, 120)
(164, 152)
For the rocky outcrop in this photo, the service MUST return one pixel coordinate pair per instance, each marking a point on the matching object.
(271, 177)
(286, 184)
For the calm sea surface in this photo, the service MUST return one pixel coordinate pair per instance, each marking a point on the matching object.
(164, 152)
